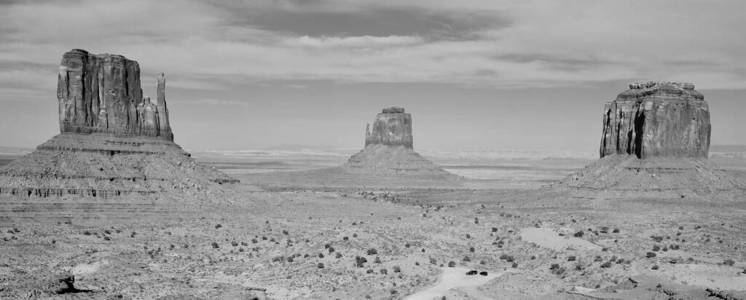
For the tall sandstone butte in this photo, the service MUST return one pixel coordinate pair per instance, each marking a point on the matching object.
(112, 141)
(102, 93)
(389, 149)
(392, 127)
(656, 138)
(657, 119)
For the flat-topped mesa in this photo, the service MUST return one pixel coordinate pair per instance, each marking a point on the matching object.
(392, 127)
(102, 93)
(657, 119)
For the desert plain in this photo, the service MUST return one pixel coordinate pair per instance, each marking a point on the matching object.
(296, 227)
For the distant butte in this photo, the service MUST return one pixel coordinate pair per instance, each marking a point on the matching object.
(656, 137)
(389, 148)
(113, 141)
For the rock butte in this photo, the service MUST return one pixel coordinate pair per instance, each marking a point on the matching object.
(657, 119)
(389, 148)
(656, 137)
(112, 140)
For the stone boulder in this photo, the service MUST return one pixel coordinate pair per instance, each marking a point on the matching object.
(657, 119)
(102, 93)
(392, 127)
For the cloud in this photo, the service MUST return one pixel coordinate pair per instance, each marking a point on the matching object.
(496, 43)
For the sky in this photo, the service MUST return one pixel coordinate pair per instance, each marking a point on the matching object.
(477, 75)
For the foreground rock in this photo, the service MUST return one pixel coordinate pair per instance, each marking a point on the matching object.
(389, 148)
(656, 138)
(113, 141)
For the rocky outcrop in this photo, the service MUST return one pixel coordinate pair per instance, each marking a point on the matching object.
(392, 127)
(102, 93)
(113, 141)
(656, 138)
(657, 119)
(389, 149)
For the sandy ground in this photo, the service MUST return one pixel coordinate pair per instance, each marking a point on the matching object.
(362, 242)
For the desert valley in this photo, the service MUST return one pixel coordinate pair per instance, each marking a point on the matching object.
(112, 208)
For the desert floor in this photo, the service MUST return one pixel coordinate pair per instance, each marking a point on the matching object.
(297, 234)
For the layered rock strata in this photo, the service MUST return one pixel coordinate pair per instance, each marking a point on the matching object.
(392, 127)
(657, 119)
(101, 93)
(389, 148)
(656, 138)
(112, 141)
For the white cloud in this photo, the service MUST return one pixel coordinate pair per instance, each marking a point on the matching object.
(547, 43)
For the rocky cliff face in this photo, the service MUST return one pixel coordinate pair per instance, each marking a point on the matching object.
(392, 127)
(101, 93)
(657, 119)
(113, 141)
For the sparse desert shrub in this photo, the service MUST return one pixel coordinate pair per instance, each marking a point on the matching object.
(616, 230)
(466, 259)
(377, 260)
(384, 271)
(285, 232)
(360, 261)
(320, 265)
(396, 269)
(215, 245)
(656, 248)
(476, 220)
(234, 244)
(571, 258)
(729, 262)
(331, 249)
(650, 254)
(354, 235)
(218, 226)
(606, 265)
(471, 249)
(578, 234)
(372, 251)
(451, 264)
(655, 267)
(514, 265)
(321, 255)
(433, 261)
(472, 272)
(468, 236)
(84, 232)
(656, 238)
(369, 271)
(494, 229)
(338, 255)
